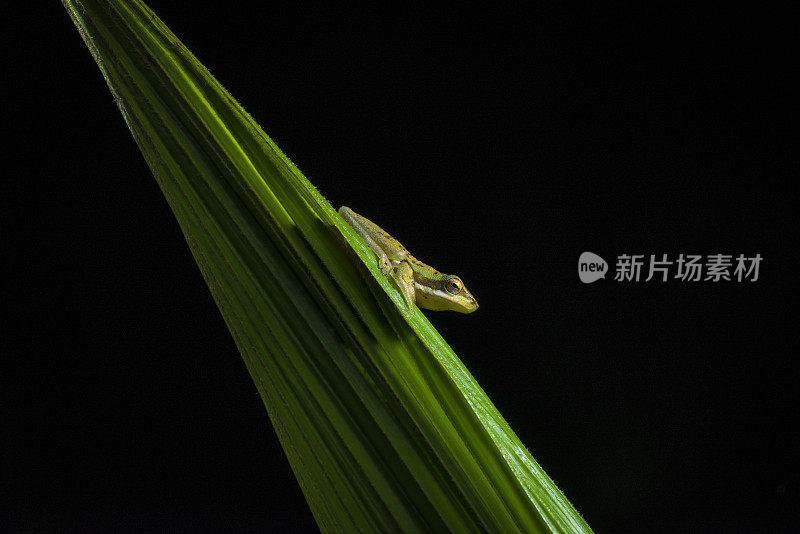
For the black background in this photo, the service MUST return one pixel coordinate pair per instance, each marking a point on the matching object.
(495, 145)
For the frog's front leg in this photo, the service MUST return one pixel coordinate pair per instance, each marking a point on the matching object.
(404, 276)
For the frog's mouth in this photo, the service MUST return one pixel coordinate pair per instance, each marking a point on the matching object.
(437, 299)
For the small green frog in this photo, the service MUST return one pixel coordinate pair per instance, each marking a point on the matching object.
(418, 282)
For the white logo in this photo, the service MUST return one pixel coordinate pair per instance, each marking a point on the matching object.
(591, 267)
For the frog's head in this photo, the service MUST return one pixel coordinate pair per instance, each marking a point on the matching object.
(448, 293)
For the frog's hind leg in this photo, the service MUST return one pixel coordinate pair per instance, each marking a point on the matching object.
(353, 220)
(404, 276)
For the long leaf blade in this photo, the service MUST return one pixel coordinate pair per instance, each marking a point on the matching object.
(384, 427)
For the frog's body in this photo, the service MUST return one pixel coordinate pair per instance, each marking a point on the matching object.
(418, 282)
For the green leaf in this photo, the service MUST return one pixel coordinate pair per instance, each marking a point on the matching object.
(384, 427)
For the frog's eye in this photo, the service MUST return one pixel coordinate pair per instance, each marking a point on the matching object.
(453, 285)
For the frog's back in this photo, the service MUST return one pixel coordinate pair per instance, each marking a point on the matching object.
(378, 234)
